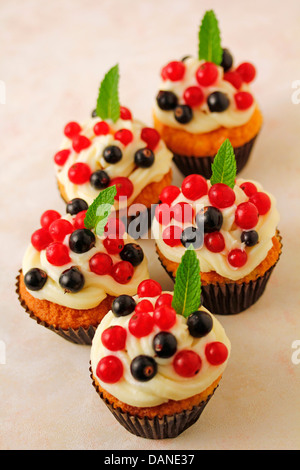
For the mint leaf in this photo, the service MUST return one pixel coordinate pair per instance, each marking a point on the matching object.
(102, 214)
(187, 290)
(100, 209)
(100, 226)
(210, 48)
(224, 165)
(108, 106)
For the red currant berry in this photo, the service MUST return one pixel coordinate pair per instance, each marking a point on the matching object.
(214, 242)
(101, 128)
(248, 188)
(262, 202)
(151, 137)
(124, 187)
(80, 142)
(216, 353)
(48, 217)
(164, 317)
(57, 254)
(79, 220)
(113, 245)
(247, 72)
(193, 96)
(141, 324)
(163, 73)
(237, 258)
(122, 272)
(109, 369)
(187, 363)
(172, 235)
(40, 239)
(194, 187)
(234, 78)
(79, 173)
(207, 74)
(125, 114)
(243, 100)
(72, 129)
(221, 195)
(175, 70)
(163, 214)
(149, 288)
(183, 212)
(246, 215)
(164, 299)
(144, 306)
(114, 338)
(114, 228)
(124, 136)
(61, 157)
(101, 264)
(169, 194)
(59, 229)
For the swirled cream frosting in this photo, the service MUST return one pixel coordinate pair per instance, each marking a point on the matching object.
(139, 176)
(168, 383)
(230, 233)
(96, 287)
(203, 119)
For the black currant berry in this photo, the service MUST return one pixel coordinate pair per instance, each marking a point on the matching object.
(144, 158)
(249, 237)
(132, 253)
(209, 219)
(76, 205)
(71, 280)
(227, 60)
(199, 324)
(112, 154)
(94, 113)
(192, 236)
(81, 240)
(143, 368)
(166, 100)
(217, 102)
(183, 114)
(123, 305)
(35, 279)
(99, 179)
(164, 344)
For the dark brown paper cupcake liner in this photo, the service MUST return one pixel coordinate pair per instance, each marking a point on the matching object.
(202, 165)
(78, 336)
(155, 428)
(232, 298)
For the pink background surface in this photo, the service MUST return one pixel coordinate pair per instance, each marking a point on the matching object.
(54, 55)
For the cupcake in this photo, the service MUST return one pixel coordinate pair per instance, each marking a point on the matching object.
(113, 148)
(155, 364)
(204, 100)
(232, 225)
(71, 274)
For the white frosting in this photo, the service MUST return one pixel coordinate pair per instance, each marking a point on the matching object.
(204, 120)
(218, 262)
(96, 287)
(166, 384)
(140, 177)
